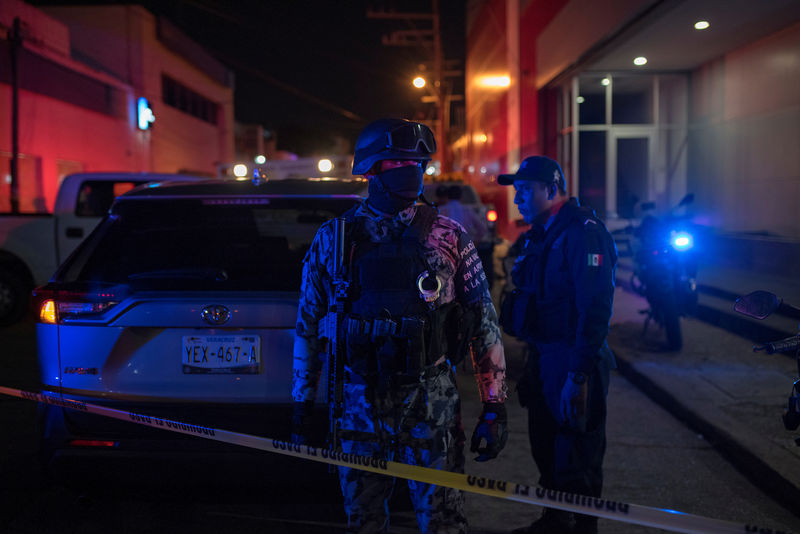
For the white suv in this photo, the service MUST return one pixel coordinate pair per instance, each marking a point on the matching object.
(181, 304)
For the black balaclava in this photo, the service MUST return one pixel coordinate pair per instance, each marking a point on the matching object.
(396, 189)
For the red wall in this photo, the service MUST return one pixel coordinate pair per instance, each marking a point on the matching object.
(487, 111)
(533, 20)
(51, 131)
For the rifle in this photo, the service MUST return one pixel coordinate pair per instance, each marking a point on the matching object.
(334, 321)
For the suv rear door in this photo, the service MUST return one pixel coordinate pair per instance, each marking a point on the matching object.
(132, 299)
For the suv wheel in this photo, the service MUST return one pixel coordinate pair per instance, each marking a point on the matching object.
(13, 298)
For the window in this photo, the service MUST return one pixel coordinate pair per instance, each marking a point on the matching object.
(95, 196)
(592, 100)
(179, 96)
(592, 170)
(630, 139)
(632, 100)
(203, 244)
(30, 186)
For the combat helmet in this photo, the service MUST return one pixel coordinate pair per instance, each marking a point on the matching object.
(392, 139)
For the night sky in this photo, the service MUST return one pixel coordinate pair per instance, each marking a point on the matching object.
(311, 70)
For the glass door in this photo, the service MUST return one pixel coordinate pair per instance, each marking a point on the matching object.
(630, 169)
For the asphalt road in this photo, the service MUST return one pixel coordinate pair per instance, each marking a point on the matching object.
(652, 460)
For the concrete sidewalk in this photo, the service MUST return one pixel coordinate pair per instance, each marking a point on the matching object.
(720, 388)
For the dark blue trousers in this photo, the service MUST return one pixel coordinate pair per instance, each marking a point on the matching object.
(568, 460)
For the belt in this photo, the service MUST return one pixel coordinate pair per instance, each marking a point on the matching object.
(376, 328)
(431, 371)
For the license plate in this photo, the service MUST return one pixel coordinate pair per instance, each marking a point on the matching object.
(221, 354)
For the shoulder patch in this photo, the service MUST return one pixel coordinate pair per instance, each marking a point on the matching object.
(595, 260)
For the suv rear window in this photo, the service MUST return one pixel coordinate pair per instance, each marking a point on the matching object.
(203, 244)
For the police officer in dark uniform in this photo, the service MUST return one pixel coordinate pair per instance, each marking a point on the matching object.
(564, 279)
(417, 302)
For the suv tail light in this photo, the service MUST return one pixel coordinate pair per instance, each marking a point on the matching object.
(47, 312)
(54, 305)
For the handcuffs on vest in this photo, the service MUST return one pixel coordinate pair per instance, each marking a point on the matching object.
(427, 294)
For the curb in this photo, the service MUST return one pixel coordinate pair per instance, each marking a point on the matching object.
(758, 472)
(741, 326)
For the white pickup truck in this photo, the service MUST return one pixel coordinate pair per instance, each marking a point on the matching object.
(33, 245)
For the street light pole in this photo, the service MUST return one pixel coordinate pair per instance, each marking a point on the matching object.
(441, 124)
(426, 37)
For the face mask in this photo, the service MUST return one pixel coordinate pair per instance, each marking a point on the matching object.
(396, 189)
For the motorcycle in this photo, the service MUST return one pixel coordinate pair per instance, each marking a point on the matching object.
(759, 305)
(665, 267)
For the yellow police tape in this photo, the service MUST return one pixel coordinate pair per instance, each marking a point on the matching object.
(671, 520)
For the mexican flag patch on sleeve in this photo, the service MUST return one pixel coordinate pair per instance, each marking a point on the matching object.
(595, 260)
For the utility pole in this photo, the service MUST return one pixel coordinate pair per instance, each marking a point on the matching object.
(425, 38)
(15, 41)
(442, 126)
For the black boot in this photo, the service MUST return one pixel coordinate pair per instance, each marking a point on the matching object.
(552, 522)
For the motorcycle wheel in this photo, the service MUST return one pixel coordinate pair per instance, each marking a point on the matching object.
(672, 324)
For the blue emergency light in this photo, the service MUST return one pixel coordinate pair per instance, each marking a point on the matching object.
(681, 241)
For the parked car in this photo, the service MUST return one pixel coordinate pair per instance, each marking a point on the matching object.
(181, 305)
(32, 245)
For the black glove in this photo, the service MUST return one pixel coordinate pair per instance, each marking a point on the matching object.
(493, 427)
(302, 418)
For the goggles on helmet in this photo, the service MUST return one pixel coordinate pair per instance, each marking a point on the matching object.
(411, 137)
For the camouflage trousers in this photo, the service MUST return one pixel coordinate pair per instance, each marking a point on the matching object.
(418, 424)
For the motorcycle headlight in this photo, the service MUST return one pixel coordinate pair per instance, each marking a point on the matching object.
(681, 241)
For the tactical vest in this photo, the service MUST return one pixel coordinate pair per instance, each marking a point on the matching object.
(390, 330)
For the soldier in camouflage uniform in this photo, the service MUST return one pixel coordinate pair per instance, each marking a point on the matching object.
(418, 300)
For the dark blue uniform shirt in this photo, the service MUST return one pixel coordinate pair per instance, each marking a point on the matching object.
(568, 269)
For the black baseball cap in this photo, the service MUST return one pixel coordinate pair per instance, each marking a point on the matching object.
(535, 168)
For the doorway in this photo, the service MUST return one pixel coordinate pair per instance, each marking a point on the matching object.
(633, 173)
(622, 138)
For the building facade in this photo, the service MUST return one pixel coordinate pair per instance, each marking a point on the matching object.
(711, 110)
(81, 74)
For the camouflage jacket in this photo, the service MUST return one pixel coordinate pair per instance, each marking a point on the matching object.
(449, 250)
